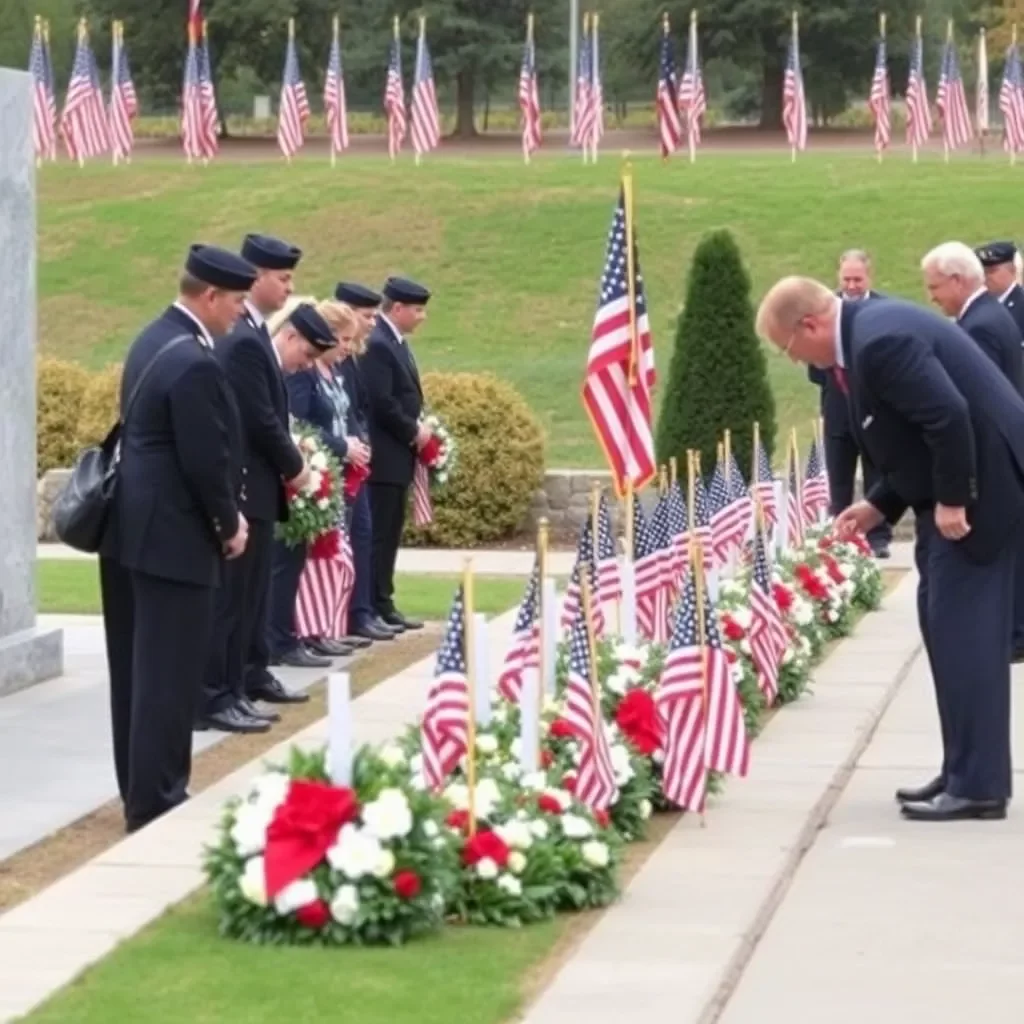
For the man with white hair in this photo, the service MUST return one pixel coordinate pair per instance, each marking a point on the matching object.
(946, 430)
(955, 281)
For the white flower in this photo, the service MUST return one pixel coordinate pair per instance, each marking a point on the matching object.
(551, 705)
(318, 461)
(736, 671)
(517, 862)
(315, 480)
(511, 770)
(323, 503)
(563, 796)
(486, 797)
(385, 864)
(745, 646)
(576, 827)
(487, 744)
(392, 755)
(345, 905)
(300, 893)
(270, 788)
(253, 882)
(515, 749)
(430, 829)
(487, 869)
(645, 809)
(803, 614)
(389, 816)
(534, 781)
(619, 681)
(595, 853)
(416, 764)
(658, 757)
(299, 503)
(540, 828)
(742, 616)
(621, 764)
(511, 885)
(788, 656)
(356, 852)
(628, 655)
(515, 834)
(249, 832)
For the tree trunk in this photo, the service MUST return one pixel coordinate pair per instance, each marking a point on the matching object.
(464, 86)
(487, 108)
(771, 94)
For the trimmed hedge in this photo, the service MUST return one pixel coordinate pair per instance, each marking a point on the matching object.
(99, 405)
(60, 389)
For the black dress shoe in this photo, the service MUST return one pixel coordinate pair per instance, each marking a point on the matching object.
(371, 631)
(300, 657)
(234, 719)
(946, 807)
(273, 691)
(328, 648)
(247, 707)
(1018, 656)
(396, 618)
(882, 551)
(357, 643)
(923, 794)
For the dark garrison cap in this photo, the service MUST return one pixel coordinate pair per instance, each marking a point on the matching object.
(312, 326)
(400, 289)
(994, 253)
(357, 295)
(270, 253)
(219, 268)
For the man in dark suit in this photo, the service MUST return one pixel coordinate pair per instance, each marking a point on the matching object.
(175, 519)
(297, 344)
(363, 620)
(946, 430)
(396, 433)
(841, 451)
(1001, 278)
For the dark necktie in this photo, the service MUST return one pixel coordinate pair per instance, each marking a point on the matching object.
(840, 375)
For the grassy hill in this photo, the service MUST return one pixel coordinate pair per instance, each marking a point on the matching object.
(512, 253)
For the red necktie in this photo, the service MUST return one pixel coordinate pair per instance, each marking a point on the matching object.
(840, 375)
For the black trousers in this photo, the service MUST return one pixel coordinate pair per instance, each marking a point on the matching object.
(1018, 605)
(239, 613)
(287, 564)
(841, 455)
(387, 508)
(361, 609)
(965, 612)
(158, 635)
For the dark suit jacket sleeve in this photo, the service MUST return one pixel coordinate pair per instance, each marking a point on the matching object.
(902, 373)
(201, 440)
(301, 396)
(887, 501)
(378, 375)
(246, 369)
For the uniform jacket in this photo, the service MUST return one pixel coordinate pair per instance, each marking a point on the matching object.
(990, 324)
(1014, 303)
(358, 401)
(309, 401)
(180, 469)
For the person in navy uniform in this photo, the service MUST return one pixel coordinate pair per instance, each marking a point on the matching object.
(174, 521)
(999, 261)
(364, 622)
(841, 451)
(396, 433)
(946, 430)
(298, 341)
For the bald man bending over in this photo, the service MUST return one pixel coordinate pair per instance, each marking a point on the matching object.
(946, 430)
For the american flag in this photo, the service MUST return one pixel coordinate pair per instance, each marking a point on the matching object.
(51, 86)
(44, 129)
(424, 115)
(919, 115)
(647, 570)
(584, 112)
(325, 591)
(445, 731)
(728, 522)
(794, 503)
(951, 101)
(1011, 101)
(609, 578)
(764, 482)
(679, 537)
(740, 495)
(794, 104)
(293, 110)
(768, 638)
(595, 781)
(529, 95)
(335, 106)
(658, 613)
(211, 118)
(524, 652)
(620, 376)
(693, 101)
(981, 96)
(586, 561)
(422, 506)
(83, 122)
(394, 98)
(667, 97)
(879, 98)
(815, 489)
(198, 103)
(596, 87)
(700, 527)
(124, 103)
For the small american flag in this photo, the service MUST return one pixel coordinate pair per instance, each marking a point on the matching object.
(701, 529)
(124, 103)
(529, 95)
(815, 489)
(647, 569)
(794, 104)
(596, 87)
(727, 519)
(679, 536)
(293, 110)
(667, 98)
(879, 98)
(422, 506)
(764, 482)
(325, 591)
(595, 782)
(1011, 101)
(211, 119)
(919, 115)
(83, 122)
(620, 375)
(51, 87)
(951, 101)
(584, 114)
(199, 117)
(446, 717)
(609, 578)
(586, 561)
(335, 106)
(44, 129)
(739, 493)
(394, 98)
(693, 101)
(424, 114)
(768, 639)
(524, 652)
(794, 504)
(661, 537)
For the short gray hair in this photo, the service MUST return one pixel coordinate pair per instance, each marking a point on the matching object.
(858, 255)
(954, 259)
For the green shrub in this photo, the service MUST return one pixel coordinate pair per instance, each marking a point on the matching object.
(99, 409)
(500, 460)
(60, 387)
(717, 378)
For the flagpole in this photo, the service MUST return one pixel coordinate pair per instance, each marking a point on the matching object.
(335, 34)
(795, 448)
(469, 655)
(114, 155)
(542, 571)
(83, 36)
(627, 204)
(526, 127)
(945, 133)
(919, 48)
(881, 36)
(586, 33)
(595, 76)
(981, 98)
(796, 61)
(1011, 148)
(37, 33)
(595, 684)
(691, 134)
(397, 37)
(418, 157)
(697, 568)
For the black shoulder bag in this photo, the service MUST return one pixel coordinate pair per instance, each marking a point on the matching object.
(81, 509)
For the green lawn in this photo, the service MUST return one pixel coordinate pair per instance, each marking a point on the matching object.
(512, 253)
(71, 587)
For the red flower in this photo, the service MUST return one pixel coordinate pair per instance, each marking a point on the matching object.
(561, 729)
(602, 818)
(458, 820)
(810, 583)
(731, 656)
(485, 844)
(313, 915)
(407, 885)
(834, 572)
(326, 488)
(326, 547)
(304, 828)
(637, 716)
(430, 452)
(783, 597)
(354, 477)
(569, 783)
(548, 804)
(732, 629)
(547, 759)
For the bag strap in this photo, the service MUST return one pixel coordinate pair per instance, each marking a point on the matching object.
(166, 347)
